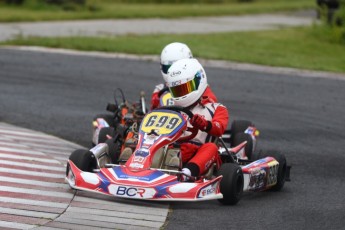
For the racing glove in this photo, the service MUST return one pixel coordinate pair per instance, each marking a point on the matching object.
(201, 123)
(188, 150)
(155, 100)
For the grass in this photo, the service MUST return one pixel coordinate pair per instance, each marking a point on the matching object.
(32, 11)
(304, 48)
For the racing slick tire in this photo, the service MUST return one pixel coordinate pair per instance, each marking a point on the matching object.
(104, 132)
(114, 148)
(231, 185)
(241, 137)
(85, 160)
(282, 170)
(239, 126)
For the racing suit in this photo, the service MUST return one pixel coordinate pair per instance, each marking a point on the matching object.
(155, 99)
(200, 153)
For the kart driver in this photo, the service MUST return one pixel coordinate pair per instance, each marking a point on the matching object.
(187, 83)
(171, 53)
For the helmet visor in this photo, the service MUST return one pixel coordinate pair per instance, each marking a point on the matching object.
(165, 68)
(186, 88)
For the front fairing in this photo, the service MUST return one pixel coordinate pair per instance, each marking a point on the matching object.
(148, 184)
(158, 128)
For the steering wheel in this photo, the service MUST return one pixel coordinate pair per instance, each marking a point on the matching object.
(193, 130)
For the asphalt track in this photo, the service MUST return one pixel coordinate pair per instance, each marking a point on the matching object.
(301, 116)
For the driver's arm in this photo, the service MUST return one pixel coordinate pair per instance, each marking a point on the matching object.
(219, 122)
(217, 125)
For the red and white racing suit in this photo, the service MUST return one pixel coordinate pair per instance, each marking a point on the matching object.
(155, 97)
(200, 153)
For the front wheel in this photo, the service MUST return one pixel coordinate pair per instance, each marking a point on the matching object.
(231, 185)
(85, 160)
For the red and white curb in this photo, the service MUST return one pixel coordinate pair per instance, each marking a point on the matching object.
(34, 195)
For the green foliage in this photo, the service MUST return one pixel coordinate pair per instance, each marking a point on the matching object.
(332, 26)
(67, 5)
(294, 47)
(339, 25)
(177, 1)
(39, 10)
(12, 2)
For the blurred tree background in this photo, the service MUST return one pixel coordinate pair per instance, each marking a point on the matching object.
(83, 2)
(332, 20)
(331, 13)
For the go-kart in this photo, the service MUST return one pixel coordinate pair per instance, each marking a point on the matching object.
(153, 171)
(122, 113)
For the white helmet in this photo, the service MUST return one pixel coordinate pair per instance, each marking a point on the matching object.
(173, 52)
(187, 81)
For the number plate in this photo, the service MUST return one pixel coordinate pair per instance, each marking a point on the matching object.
(161, 122)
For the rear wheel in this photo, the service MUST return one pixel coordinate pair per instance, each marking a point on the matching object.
(231, 185)
(239, 126)
(282, 170)
(241, 137)
(105, 133)
(84, 160)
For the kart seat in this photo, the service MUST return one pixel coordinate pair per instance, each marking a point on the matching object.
(172, 161)
(125, 155)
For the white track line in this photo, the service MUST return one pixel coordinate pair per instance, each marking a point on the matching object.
(26, 156)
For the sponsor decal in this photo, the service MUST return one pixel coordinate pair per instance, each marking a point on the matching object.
(209, 190)
(175, 83)
(142, 152)
(272, 177)
(138, 159)
(136, 165)
(129, 177)
(132, 192)
(208, 163)
(250, 130)
(257, 178)
(175, 73)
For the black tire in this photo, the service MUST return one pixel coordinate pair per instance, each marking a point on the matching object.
(84, 160)
(238, 126)
(109, 118)
(231, 185)
(114, 150)
(241, 137)
(282, 166)
(104, 132)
